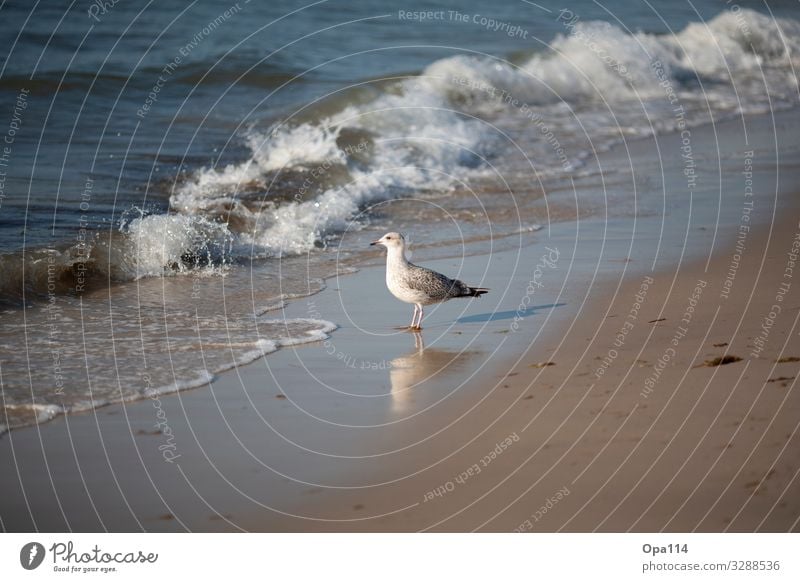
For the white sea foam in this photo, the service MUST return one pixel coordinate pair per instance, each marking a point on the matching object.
(300, 145)
(602, 62)
(161, 244)
(202, 378)
(420, 142)
(319, 331)
(35, 413)
(596, 82)
(176, 363)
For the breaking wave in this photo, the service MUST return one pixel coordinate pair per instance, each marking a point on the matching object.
(424, 132)
(305, 181)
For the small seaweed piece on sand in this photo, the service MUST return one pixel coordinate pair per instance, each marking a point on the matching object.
(721, 361)
(787, 359)
(542, 364)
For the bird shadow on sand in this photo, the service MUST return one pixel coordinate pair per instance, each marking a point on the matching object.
(505, 315)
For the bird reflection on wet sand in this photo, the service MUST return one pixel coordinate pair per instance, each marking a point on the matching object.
(424, 368)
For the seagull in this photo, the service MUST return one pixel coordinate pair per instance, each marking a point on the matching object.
(418, 285)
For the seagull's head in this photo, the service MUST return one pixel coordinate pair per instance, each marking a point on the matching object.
(390, 240)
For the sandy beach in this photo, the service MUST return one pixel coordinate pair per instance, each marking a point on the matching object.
(627, 373)
(645, 430)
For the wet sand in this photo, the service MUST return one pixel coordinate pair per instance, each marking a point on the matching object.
(637, 426)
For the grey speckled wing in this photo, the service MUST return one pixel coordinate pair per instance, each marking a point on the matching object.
(435, 285)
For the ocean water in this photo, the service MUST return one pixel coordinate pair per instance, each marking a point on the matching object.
(172, 173)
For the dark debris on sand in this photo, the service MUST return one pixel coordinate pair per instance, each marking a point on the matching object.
(721, 361)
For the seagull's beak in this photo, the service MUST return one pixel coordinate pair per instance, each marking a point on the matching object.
(375, 242)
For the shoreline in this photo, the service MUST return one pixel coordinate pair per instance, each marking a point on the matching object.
(555, 199)
(358, 437)
(47, 412)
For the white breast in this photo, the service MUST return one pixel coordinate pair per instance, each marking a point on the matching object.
(394, 282)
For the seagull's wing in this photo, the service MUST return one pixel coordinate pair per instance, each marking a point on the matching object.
(435, 285)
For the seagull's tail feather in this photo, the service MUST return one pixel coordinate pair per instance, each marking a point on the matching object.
(477, 291)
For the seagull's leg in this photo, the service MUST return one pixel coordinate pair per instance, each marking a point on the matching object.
(419, 320)
(413, 318)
